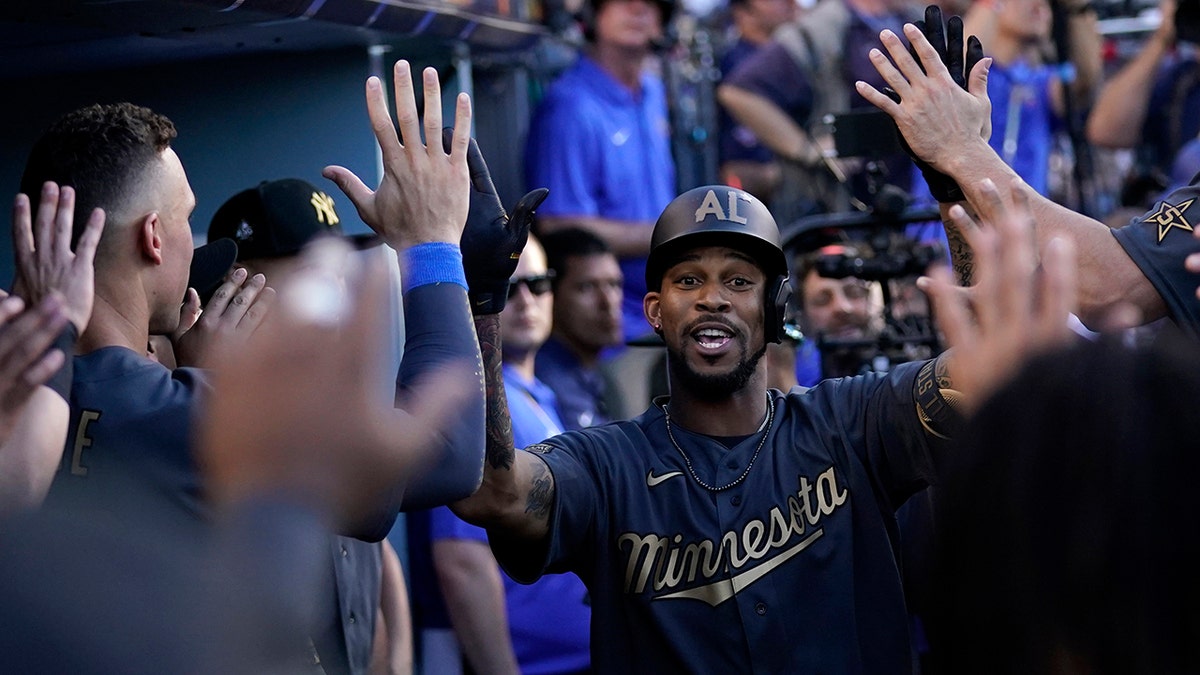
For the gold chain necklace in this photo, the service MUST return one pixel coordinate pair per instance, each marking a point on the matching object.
(688, 460)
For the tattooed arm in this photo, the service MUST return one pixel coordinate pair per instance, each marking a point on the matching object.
(518, 488)
(962, 260)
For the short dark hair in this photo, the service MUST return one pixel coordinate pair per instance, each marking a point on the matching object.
(99, 151)
(573, 241)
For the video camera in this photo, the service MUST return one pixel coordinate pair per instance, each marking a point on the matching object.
(882, 246)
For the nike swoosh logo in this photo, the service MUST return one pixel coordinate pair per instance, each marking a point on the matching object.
(652, 480)
(720, 591)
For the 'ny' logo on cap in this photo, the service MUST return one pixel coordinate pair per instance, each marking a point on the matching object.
(711, 206)
(323, 204)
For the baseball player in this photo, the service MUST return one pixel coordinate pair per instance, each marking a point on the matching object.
(130, 417)
(729, 528)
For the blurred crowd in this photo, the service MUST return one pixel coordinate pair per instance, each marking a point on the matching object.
(952, 247)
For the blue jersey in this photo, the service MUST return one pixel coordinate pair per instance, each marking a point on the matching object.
(604, 151)
(792, 570)
(1158, 242)
(1023, 120)
(547, 620)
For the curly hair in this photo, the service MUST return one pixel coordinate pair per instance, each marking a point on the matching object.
(101, 151)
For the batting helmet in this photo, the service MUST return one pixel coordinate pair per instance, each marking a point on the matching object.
(719, 215)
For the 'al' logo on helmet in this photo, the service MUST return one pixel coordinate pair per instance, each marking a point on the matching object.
(711, 206)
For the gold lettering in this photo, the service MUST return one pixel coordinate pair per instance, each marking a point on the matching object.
(667, 562)
(781, 529)
(653, 545)
(805, 494)
(752, 539)
(708, 565)
(828, 496)
(82, 440)
(323, 205)
(670, 574)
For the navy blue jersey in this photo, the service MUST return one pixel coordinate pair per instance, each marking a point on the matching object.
(131, 421)
(1158, 242)
(792, 570)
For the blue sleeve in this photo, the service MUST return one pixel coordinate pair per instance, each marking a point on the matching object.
(1158, 241)
(443, 524)
(438, 330)
(562, 154)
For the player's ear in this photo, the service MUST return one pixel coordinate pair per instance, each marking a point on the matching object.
(652, 308)
(150, 237)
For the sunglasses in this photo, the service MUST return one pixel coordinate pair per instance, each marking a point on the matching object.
(537, 285)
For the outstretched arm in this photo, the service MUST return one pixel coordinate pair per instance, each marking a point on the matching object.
(942, 123)
(420, 208)
(518, 488)
(1018, 310)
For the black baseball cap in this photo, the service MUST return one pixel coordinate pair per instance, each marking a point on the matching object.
(210, 263)
(277, 218)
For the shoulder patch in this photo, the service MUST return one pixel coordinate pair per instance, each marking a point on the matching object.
(540, 448)
(1170, 216)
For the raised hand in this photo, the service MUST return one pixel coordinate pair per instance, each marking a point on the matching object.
(26, 360)
(45, 261)
(234, 312)
(492, 240)
(296, 411)
(947, 41)
(935, 115)
(423, 196)
(1019, 311)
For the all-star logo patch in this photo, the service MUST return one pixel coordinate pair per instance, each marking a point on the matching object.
(1171, 216)
(540, 448)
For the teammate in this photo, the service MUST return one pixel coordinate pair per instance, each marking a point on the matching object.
(1140, 265)
(130, 417)
(730, 527)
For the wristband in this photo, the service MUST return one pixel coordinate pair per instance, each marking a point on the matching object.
(935, 412)
(432, 263)
(60, 382)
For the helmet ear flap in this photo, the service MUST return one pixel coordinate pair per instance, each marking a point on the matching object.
(779, 292)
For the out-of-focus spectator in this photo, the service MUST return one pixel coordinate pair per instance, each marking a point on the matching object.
(745, 161)
(1027, 94)
(1153, 102)
(600, 140)
(1060, 519)
(783, 92)
(271, 224)
(503, 626)
(587, 321)
(287, 454)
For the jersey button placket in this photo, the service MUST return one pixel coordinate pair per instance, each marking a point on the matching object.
(736, 500)
(760, 608)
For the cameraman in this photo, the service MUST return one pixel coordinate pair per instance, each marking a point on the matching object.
(842, 318)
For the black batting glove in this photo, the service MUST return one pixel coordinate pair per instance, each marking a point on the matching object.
(492, 241)
(947, 41)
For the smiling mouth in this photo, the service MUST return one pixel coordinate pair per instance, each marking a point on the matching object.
(712, 338)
